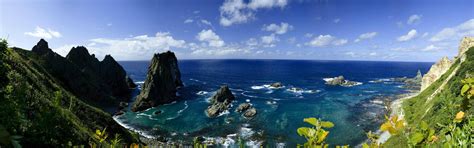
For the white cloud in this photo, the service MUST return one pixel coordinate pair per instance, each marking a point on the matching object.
(278, 29)
(325, 40)
(431, 48)
(372, 54)
(367, 35)
(410, 35)
(351, 54)
(109, 24)
(238, 11)
(64, 50)
(256, 4)
(211, 38)
(337, 20)
(44, 33)
(455, 33)
(308, 35)
(270, 40)
(205, 22)
(135, 47)
(414, 19)
(188, 21)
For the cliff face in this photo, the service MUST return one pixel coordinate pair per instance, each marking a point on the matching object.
(163, 79)
(84, 75)
(465, 44)
(438, 69)
(39, 106)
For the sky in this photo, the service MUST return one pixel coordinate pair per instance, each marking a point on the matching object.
(371, 30)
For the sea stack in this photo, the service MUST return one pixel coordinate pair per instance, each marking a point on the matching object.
(220, 102)
(161, 84)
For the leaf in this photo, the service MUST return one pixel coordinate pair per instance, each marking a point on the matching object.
(327, 124)
(385, 126)
(424, 126)
(399, 125)
(322, 136)
(312, 121)
(394, 119)
(303, 131)
(416, 138)
(365, 145)
(464, 89)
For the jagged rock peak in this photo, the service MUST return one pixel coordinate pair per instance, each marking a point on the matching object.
(466, 43)
(222, 95)
(41, 47)
(220, 102)
(436, 71)
(161, 83)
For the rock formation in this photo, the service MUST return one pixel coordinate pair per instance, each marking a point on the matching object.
(465, 44)
(161, 83)
(276, 85)
(84, 75)
(436, 71)
(108, 70)
(220, 102)
(247, 109)
(340, 81)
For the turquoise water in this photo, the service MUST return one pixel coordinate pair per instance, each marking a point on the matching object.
(280, 111)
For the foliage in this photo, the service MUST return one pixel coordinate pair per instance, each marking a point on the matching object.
(316, 134)
(198, 142)
(423, 135)
(393, 125)
(372, 139)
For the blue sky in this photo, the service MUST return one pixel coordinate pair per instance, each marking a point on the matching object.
(382, 30)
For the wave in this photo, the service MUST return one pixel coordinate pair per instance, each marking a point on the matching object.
(179, 112)
(302, 91)
(202, 93)
(265, 86)
(147, 115)
(129, 127)
(199, 81)
(250, 96)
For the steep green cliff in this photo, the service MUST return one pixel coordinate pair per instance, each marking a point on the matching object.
(38, 109)
(437, 106)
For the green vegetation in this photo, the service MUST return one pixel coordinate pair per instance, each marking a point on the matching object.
(37, 110)
(446, 118)
(316, 134)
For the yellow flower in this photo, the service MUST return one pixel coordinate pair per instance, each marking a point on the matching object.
(434, 138)
(459, 115)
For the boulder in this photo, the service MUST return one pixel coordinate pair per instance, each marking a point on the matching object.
(276, 85)
(250, 113)
(243, 107)
(220, 102)
(161, 84)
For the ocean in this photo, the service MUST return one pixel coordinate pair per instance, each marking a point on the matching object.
(354, 110)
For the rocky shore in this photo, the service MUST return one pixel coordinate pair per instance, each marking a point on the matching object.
(339, 80)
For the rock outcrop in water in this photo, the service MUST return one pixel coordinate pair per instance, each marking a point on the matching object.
(276, 85)
(161, 84)
(248, 110)
(220, 102)
(340, 81)
(435, 72)
(84, 75)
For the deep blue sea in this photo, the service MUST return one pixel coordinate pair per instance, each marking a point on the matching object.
(280, 111)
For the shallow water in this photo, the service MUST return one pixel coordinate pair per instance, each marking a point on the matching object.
(280, 111)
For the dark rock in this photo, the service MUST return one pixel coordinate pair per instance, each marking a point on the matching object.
(161, 84)
(250, 112)
(243, 107)
(41, 47)
(157, 112)
(122, 105)
(276, 85)
(130, 83)
(220, 101)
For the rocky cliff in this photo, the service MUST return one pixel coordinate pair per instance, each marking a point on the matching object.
(163, 79)
(438, 69)
(220, 102)
(40, 107)
(466, 42)
(84, 75)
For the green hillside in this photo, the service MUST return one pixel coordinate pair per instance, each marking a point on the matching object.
(37, 109)
(438, 110)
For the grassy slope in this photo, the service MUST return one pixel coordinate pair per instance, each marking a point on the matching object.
(443, 107)
(29, 108)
